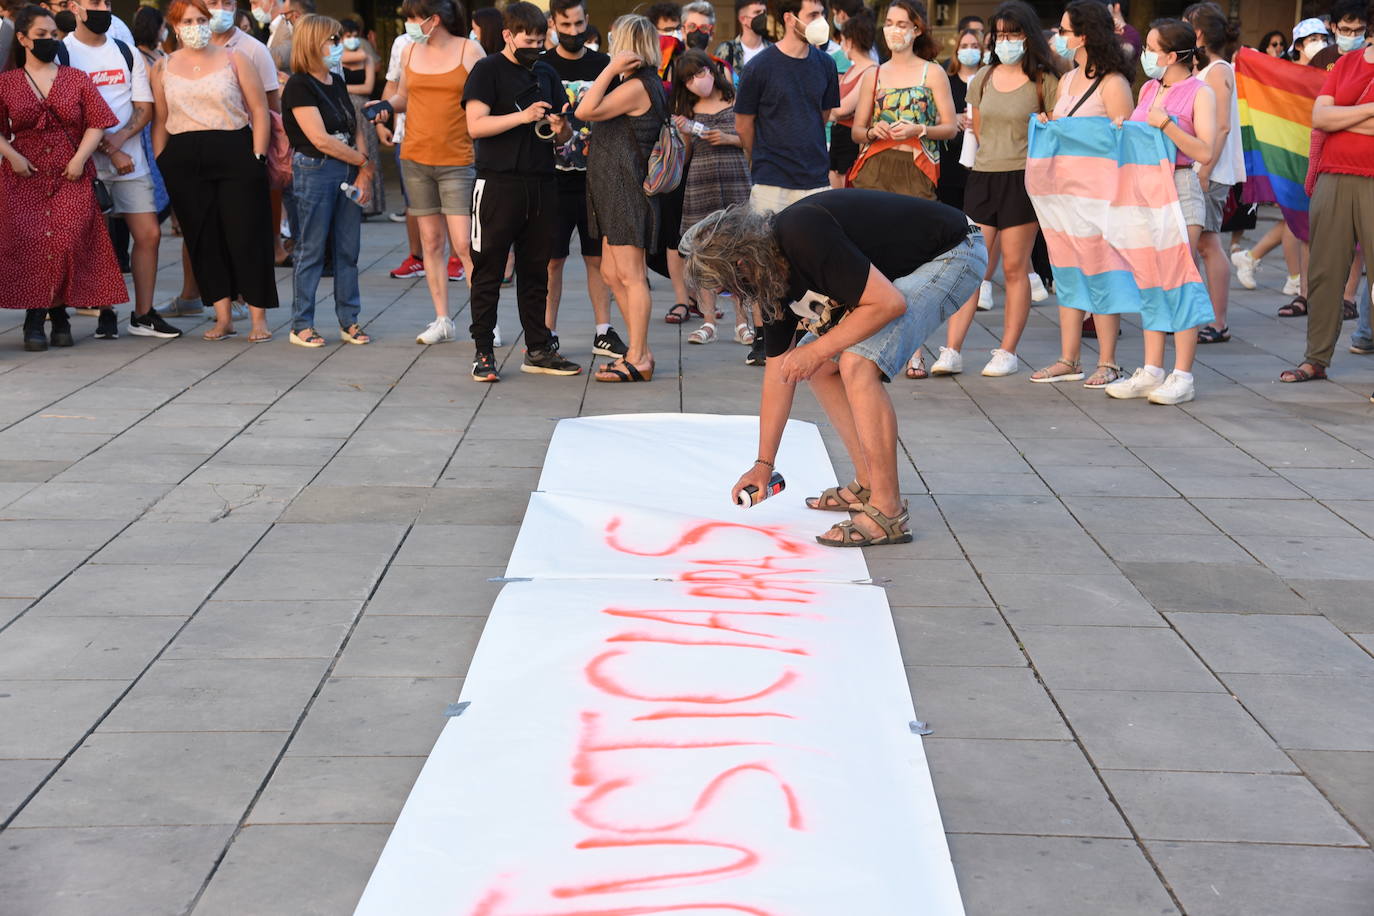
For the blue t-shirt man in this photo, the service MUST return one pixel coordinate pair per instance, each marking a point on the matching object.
(788, 97)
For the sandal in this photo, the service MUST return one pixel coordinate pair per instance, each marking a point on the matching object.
(1349, 310)
(213, 334)
(1300, 374)
(893, 526)
(307, 337)
(1061, 370)
(831, 501)
(703, 335)
(1211, 334)
(744, 334)
(629, 373)
(256, 337)
(916, 369)
(1104, 375)
(354, 334)
(1295, 309)
(678, 313)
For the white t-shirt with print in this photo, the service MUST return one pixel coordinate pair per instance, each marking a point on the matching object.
(393, 75)
(120, 87)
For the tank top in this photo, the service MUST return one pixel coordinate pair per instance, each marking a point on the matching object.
(849, 82)
(1072, 86)
(213, 102)
(1230, 167)
(436, 125)
(909, 103)
(1178, 102)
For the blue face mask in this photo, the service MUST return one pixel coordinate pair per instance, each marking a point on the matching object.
(1061, 47)
(333, 57)
(987, 57)
(1011, 52)
(1149, 62)
(970, 57)
(221, 21)
(1347, 43)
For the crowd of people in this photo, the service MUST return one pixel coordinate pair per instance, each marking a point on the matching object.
(256, 129)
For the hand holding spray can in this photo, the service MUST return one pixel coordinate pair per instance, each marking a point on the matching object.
(752, 496)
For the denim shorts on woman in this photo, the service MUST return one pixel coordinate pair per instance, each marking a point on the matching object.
(432, 189)
(933, 292)
(1190, 197)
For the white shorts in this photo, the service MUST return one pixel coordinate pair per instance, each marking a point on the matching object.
(132, 195)
(767, 198)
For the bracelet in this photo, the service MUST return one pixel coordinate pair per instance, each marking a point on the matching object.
(766, 463)
(924, 130)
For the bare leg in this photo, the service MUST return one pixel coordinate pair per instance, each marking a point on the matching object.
(1070, 334)
(434, 244)
(413, 235)
(1185, 350)
(597, 289)
(875, 425)
(555, 296)
(1352, 285)
(627, 263)
(1154, 348)
(1269, 241)
(459, 244)
(224, 317)
(1216, 266)
(1107, 328)
(189, 287)
(1017, 242)
(828, 387)
(143, 227)
(962, 320)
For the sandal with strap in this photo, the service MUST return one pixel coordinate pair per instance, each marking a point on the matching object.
(1349, 310)
(893, 527)
(1103, 375)
(916, 369)
(355, 335)
(622, 370)
(744, 334)
(830, 500)
(703, 335)
(1299, 374)
(1061, 370)
(678, 313)
(1212, 334)
(1295, 309)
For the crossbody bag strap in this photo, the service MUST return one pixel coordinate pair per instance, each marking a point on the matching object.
(1091, 89)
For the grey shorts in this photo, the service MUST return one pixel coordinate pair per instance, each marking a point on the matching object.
(132, 195)
(1190, 197)
(933, 292)
(432, 189)
(1215, 195)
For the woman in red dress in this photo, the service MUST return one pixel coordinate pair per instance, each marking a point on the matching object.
(54, 250)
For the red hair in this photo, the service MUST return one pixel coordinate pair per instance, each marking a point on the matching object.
(178, 9)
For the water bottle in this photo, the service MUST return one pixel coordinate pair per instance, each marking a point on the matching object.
(352, 192)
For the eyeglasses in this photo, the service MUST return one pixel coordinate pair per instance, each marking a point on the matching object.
(1009, 36)
(335, 39)
(1065, 33)
(707, 29)
(1352, 32)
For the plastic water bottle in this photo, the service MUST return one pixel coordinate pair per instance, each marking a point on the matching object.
(352, 192)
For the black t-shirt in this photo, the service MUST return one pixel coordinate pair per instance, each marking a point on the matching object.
(336, 110)
(506, 87)
(831, 239)
(577, 75)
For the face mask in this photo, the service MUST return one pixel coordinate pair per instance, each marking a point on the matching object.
(1011, 52)
(45, 49)
(416, 32)
(260, 16)
(526, 57)
(573, 43)
(818, 31)
(899, 38)
(702, 85)
(759, 25)
(353, 43)
(221, 21)
(66, 21)
(987, 57)
(1061, 47)
(593, 46)
(162, 36)
(698, 40)
(1312, 48)
(1149, 62)
(98, 21)
(194, 37)
(676, 33)
(333, 57)
(970, 57)
(1347, 43)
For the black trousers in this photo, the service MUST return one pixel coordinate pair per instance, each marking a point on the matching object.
(521, 211)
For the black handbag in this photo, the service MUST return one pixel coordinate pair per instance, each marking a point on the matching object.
(104, 201)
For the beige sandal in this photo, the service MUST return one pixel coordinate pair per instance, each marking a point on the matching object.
(893, 527)
(831, 501)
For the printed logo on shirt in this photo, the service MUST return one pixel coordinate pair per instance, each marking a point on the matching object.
(109, 77)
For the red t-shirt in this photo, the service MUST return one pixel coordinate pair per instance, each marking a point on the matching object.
(1349, 83)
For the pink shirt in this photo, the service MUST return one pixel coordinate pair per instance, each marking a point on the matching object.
(1178, 102)
(1072, 85)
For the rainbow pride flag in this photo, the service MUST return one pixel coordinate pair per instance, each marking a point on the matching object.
(1107, 205)
(1276, 98)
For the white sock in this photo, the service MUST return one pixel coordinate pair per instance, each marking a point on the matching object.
(1292, 277)
(1186, 376)
(602, 328)
(1156, 371)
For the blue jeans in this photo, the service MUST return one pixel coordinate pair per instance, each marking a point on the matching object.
(1362, 327)
(322, 209)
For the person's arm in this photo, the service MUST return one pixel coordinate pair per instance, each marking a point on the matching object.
(311, 123)
(744, 126)
(113, 142)
(879, 304)
(863, 112)
(369, 78)
(947, 127)
(1330, 117)
(1116, 97)
(482, 123)
(256, 99)
(1219, 78)
(775, 406)
(397, 98)
(159, 108)
(599, 104)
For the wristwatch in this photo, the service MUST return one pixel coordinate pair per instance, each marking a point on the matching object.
(261, 157)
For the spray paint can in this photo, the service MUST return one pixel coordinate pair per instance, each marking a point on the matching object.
(751, 496)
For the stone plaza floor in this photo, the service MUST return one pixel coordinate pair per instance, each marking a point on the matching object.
(240, 582)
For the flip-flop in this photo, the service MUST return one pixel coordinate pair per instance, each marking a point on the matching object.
(678, 313)
(259, 338)
(211, 335)
(630, 373)
(1299, 374)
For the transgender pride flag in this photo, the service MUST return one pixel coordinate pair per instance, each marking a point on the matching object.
(1106, 201)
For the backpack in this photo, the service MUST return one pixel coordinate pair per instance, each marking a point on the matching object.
(64, 56)
(667, 160)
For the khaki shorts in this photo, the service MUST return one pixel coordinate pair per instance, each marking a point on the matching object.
(432, 189)
(767, 198)
(132, 195)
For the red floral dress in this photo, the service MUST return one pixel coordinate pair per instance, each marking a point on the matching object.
(54, 249)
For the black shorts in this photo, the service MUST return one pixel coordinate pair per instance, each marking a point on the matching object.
(998, 199)
(572, 214)
(843, 149)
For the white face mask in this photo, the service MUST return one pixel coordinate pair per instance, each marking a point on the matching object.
(818, 31)
(221, 21)
(899, 37)
(194, 36)
(592, 46)
(260, 16)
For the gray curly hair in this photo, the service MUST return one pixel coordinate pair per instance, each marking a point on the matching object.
(734, 251)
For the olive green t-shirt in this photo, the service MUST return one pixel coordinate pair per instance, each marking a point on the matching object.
(1004, 119)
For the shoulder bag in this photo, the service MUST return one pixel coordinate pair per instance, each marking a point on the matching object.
(668, 157)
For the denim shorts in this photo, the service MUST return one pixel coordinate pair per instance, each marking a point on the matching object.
(432, 189)
(1214, 204)
(1190, 198)
(934, 292)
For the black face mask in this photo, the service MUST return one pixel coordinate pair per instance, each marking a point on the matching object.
(526, 57)
(572, 43)
(98, 21)
(698, 40)
(66, 21)
(45, 49)
(759, 25)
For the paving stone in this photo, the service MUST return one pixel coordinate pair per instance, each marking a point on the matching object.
(327, 505)
(120, 590)
(76, 871)
(49, 718)
(110, 648)
(1105, 481)
(958, 483)
(1114, 658)
(1144, 515)
(1231, 879)
(202, 695)
(436, 590)
(120, 780)
(1166, 730)
(215, 502)
(56, 534)
(1228, 807)
(1273, 644)
(375, 717)
(1314, 557)
(166, 542)
(1047, 788)
(1345, 602)
(278, 576)
(1029, 875)
(1344, 777)
(288, 424)
(1314, 713)
(30, 573)
(300, 870)
(33, 471)
(470, 506)
(265, 629)
(85, 501)
(1326, 483)
(959, 636)
(218, 471)
(410, 647)
(1263, 517)
(1090, 600)
(458, 545)
(985, 703)
(1077, 453)
(1249, 589)
(1358, 512)
(936, 583)
(18, 780)
(337, 790)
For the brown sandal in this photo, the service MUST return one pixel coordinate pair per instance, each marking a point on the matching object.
(893, 526)
(1295, 309)
(1300, 374)
(831, 501)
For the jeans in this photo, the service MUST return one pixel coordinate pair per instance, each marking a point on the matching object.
(322, 208)
(1363, 331)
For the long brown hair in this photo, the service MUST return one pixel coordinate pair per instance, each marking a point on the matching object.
(924, 46)
(953, 68)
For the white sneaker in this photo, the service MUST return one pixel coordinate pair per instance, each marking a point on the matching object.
(1245, 265)
(1139, 385)
(985, 296)
(1294, 285)
(439, 330)
(1175, 390)
(951, 362)
(1038, 291)
(496, 337)
(238, 311)
(1002, 363)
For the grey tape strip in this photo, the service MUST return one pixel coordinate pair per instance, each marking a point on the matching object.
(456, 709)
(920, 728)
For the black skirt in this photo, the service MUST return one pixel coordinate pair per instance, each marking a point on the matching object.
(219, 193)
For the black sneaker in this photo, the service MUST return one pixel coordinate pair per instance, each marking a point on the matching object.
(152, 325)
(609, 344)
(757, 355)
(484, 368)
(35, 339)
(548, 362)
(61, 333)
(553, 342)
(107, 325)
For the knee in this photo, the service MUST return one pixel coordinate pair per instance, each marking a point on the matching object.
(148, 235)
(857, 370)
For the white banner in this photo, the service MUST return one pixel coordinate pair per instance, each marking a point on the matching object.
(733, 738)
